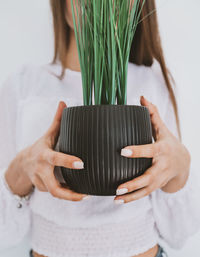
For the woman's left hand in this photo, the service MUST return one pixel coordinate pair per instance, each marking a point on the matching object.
(170, 162)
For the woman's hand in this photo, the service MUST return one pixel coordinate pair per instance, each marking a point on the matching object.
(170, 163)
(34, 165)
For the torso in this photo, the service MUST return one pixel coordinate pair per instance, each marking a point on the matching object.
(150, 253)
(137, 216)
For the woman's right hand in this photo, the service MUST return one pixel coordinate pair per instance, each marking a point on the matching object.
(34, 165)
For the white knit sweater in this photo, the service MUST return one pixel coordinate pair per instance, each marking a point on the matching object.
(95, 227)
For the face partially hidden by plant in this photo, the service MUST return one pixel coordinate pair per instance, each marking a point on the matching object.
(68, 13)
(104, 30)
(69, 17)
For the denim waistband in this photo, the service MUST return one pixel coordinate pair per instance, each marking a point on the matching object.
(161, 252)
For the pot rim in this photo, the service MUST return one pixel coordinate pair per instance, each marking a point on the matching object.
(107, 106)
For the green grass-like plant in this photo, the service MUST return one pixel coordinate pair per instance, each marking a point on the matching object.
(104, 30)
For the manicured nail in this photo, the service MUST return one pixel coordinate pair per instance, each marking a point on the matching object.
(121, 191)
(126, 152)
(78, 165)
(119, 201)
(86, 197)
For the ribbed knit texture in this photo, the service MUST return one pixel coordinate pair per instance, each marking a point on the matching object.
(110, 240)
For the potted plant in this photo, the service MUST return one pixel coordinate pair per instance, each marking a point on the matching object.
(97, 130)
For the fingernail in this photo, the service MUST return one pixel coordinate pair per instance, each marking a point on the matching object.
(121, 191)
(126, 152)
(86, 197)
(78, 165)
(119, 201)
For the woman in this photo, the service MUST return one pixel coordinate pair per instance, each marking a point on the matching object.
(161, 204)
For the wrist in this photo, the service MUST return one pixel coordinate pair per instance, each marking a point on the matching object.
(16, 177)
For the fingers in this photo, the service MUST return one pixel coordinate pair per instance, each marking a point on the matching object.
(53, 131)
(136, 151)
(56, 190)
(64, 160)
(156, 120)
(135, 196)
(137, 183)
(143, 185)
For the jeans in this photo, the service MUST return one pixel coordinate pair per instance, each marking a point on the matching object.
(161, 252)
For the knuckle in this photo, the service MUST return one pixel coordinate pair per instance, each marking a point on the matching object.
(40, 188)
(150, 189)
(163, 183)
(52, 158)
(154, 107)
(135, 197)
(37, 172)
(160, 148)
(167, 147)
(49, 156)
(42, 156)
(150, 178)
(147, 191)
(132, 185)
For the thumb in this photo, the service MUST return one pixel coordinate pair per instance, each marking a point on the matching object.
(158, 125)
(54, 129)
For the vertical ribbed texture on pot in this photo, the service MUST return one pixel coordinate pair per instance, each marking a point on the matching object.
(96, 134)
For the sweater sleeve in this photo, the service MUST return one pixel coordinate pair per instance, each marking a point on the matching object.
(14, 221)
(177, 214)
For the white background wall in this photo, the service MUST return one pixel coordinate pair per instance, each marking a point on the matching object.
(26, 36)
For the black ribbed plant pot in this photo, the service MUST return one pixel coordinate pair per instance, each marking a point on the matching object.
(96, 134)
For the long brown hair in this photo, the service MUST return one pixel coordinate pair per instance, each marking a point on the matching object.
(146, 45)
